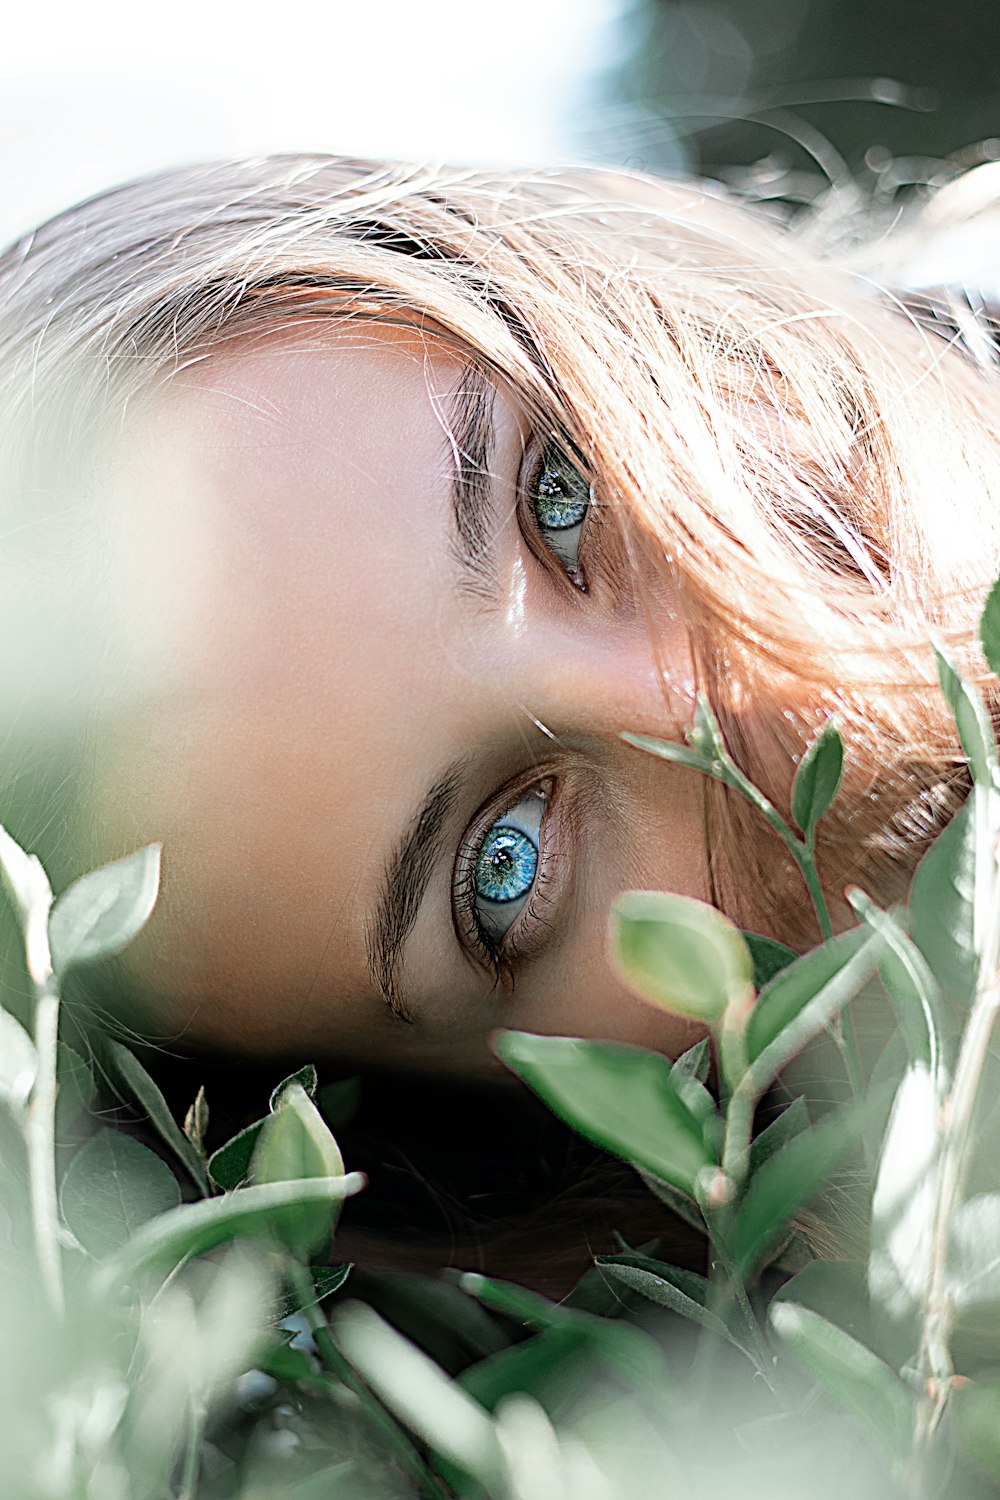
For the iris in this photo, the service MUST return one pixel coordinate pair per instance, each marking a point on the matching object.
(506, 864)
(562, 497)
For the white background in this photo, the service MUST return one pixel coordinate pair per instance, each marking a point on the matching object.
(94, 93)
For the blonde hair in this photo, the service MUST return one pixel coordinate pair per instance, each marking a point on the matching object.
(819, 476)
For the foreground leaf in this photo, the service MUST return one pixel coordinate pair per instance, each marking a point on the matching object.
(229, 1167)
(100, 914)
(974, 1262)
(861, 1382)
(971, 718)
(942, 896)
(143, 1089)
(18, 1062)
(680, 954)
(111, 1188)
(195, 1228)
(787, 1181)
(817, 778)
(668, 1286)
(421, 1395)
(768, 957)
(621, 1098)
(804, 983)
(296, 1144)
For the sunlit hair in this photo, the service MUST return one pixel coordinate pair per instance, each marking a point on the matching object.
(817, 471)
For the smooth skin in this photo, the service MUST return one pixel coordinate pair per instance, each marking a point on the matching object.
(319, 659)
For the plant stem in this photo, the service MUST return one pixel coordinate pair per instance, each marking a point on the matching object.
(335, 1363)
(41, 1140)
(192, 1456)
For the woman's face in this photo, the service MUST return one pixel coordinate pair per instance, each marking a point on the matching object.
(383, 754)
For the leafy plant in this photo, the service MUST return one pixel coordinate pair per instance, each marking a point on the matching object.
(167, 1319)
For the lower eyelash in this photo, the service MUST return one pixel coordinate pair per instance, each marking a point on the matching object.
(500, 955)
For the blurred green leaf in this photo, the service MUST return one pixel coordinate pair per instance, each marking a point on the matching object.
(229, 1167)
(787, 1181)
(126, 1070)
(421, 1396)
(767, 956)
(100, 914)
(678, 755)
(976, 1410)
(195, 1228)
(77, 1088)
(903, 1207)
(23, 877)
(680, 954)
(835, 1289)
(817, 778)
(861, 1382)
(784, 1128)
(941, 903)
(808, 994)
(974, 1258)
(908, 980)
(295, 1144)
(619, 1097)
(989, 629)
(111, 1188)
(18, 1062)
(682, 1204)
(971, 718)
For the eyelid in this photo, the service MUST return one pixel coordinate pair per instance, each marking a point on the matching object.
(555, 850)
(531, 469)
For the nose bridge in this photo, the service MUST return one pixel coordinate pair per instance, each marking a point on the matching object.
(602, 677)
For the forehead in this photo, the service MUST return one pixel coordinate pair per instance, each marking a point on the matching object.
(289, 540)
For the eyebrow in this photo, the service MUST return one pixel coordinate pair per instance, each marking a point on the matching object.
(471, 437)
(404, 885)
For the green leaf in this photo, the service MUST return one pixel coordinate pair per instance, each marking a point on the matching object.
(974, 1261)
(790, 1123)
(682, 1204)
(817, 779)
(768, 957)
(23, 876)
(296, 1144)
(678, 755)
(903, 1208)
(196, 1123)
(908, 981)
(668, 1286)
(705, 735)
(100, 914)
(807, 995)
(325, 1279)
(787, 1181)
(619, 1097)
(941, 902)
(112, 1187)
(18, 1063)
(421, 1395)
(306, 1078)
(129, 1072)
(989, 629)
(229, 1167)
(196, 1228)
(976, 1409)
(694, 1063)
(971, 718)
(76, 1088)
(837, 1290)
(856, 1378)
(680, 954)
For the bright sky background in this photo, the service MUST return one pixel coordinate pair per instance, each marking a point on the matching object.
(93, 93)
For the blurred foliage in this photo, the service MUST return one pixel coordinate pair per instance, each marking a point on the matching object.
(705, 85)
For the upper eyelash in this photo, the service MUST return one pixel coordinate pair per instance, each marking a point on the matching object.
(499, 954)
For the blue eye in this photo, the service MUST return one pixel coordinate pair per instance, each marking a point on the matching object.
(561, 497)
(505, 866)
